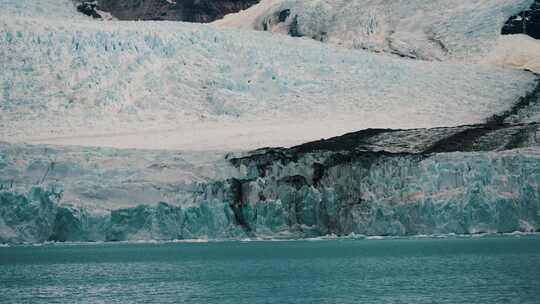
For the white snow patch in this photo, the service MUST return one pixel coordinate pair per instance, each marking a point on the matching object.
(247, 19)
(432, 30)
(518, 51)
(53, 9)
(106, 16)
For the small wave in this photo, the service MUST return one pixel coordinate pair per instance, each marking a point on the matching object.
(192, 241)
(375, 237)
(521, 234)
(329, 237)
(324, 238)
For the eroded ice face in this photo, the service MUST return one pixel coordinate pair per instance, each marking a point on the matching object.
(462, 193)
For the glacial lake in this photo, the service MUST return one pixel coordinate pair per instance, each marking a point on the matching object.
(502, 269)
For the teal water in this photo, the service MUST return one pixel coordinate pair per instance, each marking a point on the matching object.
(455, 270)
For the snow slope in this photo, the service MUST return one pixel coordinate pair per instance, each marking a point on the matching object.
(424, 29)
(185, 86)
(53, 9)
(518, 51)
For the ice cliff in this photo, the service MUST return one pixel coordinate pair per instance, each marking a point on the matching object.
(481, 178)
(293, 194)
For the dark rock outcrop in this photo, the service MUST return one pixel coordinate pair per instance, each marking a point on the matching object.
(526, 22)
(371, 144)
(503, 131)
(89, 9)
(180, 10)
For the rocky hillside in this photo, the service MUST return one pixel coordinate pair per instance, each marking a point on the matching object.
(180, 10)
(526, 22)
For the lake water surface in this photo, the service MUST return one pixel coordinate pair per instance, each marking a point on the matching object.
(451, 270)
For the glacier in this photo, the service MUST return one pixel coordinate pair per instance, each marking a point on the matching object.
(128, 131)
(165, 85)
